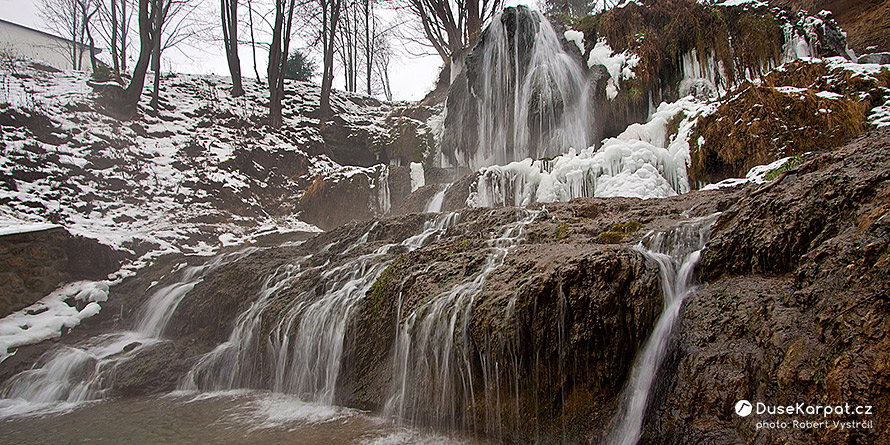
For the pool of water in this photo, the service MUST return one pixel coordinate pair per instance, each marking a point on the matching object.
(217, 418)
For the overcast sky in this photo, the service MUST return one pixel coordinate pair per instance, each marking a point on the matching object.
(411, 76)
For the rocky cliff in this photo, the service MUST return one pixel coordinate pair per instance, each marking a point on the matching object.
(792, 307)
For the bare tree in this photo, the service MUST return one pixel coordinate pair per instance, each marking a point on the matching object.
(330, 18)
(113, 29)
(252, 39)
(71, 19)
(347, 43)
(451, 27)
(383, 55)
(229, 12)
(278, 51)
(176, 22)
(149, 33)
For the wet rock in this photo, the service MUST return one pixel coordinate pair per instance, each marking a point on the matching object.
(35, 263)
(794, 309)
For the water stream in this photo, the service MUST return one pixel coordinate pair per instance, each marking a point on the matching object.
(66, 376)
(533, 100)
(676, 252)
(305, 345)
(433, 372)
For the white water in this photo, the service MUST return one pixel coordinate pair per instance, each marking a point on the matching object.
(305, 346)
(432, 366)
(533, 102)
(66, 376)
(677, 252)
(435, 204)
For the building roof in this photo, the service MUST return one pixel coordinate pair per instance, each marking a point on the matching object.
(67, 41)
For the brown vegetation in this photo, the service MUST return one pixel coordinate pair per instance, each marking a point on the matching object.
(760, 123)
(662, 32)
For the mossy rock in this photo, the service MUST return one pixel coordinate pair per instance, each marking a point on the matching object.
(618, 232)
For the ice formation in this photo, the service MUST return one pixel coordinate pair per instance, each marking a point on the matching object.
(619, 66)
(643, 162)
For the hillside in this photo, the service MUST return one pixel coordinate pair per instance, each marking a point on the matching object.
(622, 228)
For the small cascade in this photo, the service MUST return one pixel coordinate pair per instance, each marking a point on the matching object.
(676, 252)
(381, 183)
(531, 97)
(435, 358)
(435, 204)
(303, 351)
(67, 375)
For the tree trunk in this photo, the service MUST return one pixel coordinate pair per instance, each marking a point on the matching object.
(229, 11)
(253, 41)
(94, 64)
(125, 29)
(368, 45)
(281, 32)
(115, 55)
(275, 68)
(156, 65)
(329, 31)
(146, 44)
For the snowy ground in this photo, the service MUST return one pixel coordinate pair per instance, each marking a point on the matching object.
(201, 174)
(198, 175)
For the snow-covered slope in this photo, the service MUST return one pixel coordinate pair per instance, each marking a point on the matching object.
(201, 173)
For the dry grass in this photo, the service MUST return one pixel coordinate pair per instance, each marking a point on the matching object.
(760, 124)
(662, 32)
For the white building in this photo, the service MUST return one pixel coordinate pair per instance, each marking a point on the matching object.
(20, 41)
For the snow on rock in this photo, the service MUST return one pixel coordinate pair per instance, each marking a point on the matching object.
(11, 229)
(619, 66)
(880, 115)
(643, 162)
(172, 182)
(48, 317)
(757, 175)
(577, 37)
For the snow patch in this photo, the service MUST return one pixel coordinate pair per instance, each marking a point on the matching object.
(25, 228)
(577, 37)
(757, 175)
(619, 66)
(46, 318)
(417, 178)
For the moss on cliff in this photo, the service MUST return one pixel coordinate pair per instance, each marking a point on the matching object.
(802, 107)
(744, 41)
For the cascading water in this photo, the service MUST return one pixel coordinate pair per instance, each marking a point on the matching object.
(531, 96)
(305, 345)
(677, 252)
(435, 203)
(67, 375)
(433, 371)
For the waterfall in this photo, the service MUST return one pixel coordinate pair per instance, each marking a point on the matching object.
(532, 98)
(435, 203)
(433, 370)
(305, 345)
(676, 252)
(67, 375)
